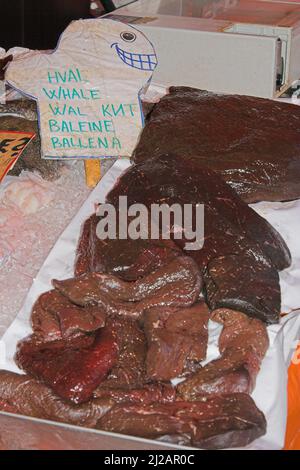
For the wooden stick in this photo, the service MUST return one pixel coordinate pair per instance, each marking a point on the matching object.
(92, 172)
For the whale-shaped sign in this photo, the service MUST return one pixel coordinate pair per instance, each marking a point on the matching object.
(88, 89)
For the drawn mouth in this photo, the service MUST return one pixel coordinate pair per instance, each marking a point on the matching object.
(146, 62)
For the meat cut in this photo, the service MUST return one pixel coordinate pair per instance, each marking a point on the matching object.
(216, 422)
(159, 180)
(129, 369)
(241, 332)
(242, 251)
(54, 317)
(73, 370)
(27, 396)
(243, 344)
(128, 259)
(177, 340)
(145, 395)
(243, 281)
(176, 284)
(242, 138)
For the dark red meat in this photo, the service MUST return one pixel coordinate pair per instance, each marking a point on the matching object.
(240, 137)
(241, 252)
(27, 396)
(243, 344)
(177, 284)
(128, 259)
(54, 317)
(214, 423)
(24, 395)
(129, 370)
(159, 180)
(71, 369)
(145, 395)
(241, 332)
(177, 340)
(126, 381)
(242, 280)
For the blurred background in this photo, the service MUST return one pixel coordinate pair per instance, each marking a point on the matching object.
(37, 24)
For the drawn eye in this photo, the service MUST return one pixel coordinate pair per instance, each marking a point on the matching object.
(128, 37)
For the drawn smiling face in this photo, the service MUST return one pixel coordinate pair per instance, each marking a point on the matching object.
(114, 48)
(146, 62)
(110, 54)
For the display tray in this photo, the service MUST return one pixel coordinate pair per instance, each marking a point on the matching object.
(270, 393)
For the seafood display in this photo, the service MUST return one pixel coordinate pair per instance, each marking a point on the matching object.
(242, 138)
(122, 346)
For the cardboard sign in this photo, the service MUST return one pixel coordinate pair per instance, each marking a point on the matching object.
(12, 145)
(87, 90)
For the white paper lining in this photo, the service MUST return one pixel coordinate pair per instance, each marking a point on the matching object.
(271, 390)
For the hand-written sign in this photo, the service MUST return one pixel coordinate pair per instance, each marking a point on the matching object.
(87, 90)
(12, 145)
(77, 122)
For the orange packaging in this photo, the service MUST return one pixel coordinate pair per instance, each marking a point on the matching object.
(12, 144)
(292, 441)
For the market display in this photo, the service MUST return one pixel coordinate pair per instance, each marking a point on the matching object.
(253, 143)
(98, 338)
(122, 345)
